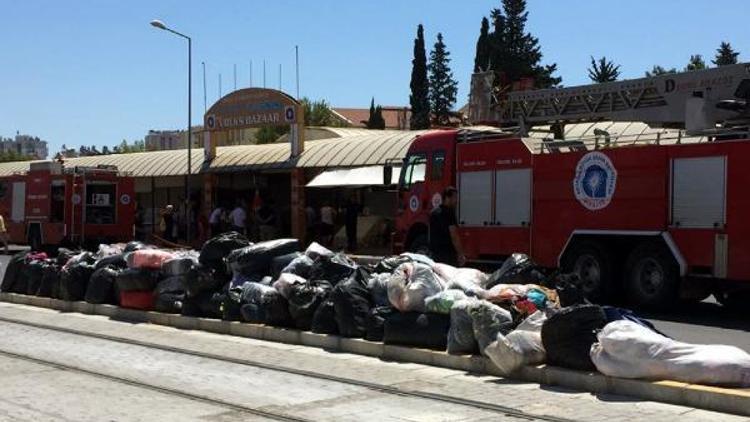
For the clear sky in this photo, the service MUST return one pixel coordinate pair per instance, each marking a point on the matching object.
(94, 71)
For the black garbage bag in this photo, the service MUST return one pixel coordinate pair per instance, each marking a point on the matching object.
(567, 336)
(332, 268)
(50, 284)
(324, 319)
(272, 309)
(178, 266)
(64, 255)
(74, 280)
(206, 304)
(102, 287)
(217, 248)
(427, 331)
(134, 246)
(174, 284)
(32, 275)
(12, 272)
(114, 261)
(352, 303)
(389, 264)
(137, 279)
(300, 266)
(568, 291)
(169, 303)
(280, 262)
(517, 269)
(256, 259)
(231, 304)
(375, 322)
(304, 300)
(201, 279)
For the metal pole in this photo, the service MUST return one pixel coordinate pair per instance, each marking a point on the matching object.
(205, 105)
(251, 73)
(190, 140)
(219, 87)
(279, 76)
(264, 73)
(296, 65)
(235, 76)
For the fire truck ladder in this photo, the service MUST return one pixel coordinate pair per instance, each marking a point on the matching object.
(698, 101)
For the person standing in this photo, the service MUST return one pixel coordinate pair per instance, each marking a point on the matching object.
(310, 217)
(327, 216)
(167, 223)
(445, 243)
(215, 220)
(353, 208)
(266, 218)
(238, 218)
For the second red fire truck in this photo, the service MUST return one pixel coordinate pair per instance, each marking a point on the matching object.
(653, 216)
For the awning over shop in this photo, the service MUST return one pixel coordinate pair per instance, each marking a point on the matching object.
(353, 177)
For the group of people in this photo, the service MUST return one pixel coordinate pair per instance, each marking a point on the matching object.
(321, 225)
(264, 219)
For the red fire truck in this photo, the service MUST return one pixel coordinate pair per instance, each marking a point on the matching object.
(653, 216)
(52, 205)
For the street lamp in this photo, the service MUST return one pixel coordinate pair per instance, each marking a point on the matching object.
(160, 25)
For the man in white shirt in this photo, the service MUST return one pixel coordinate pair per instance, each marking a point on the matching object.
(327, 216)
(238, 218)
(215, 220)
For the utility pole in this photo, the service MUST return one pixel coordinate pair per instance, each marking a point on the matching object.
(205, 104)
(296, 65)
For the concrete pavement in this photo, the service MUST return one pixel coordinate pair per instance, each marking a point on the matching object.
(307, 397)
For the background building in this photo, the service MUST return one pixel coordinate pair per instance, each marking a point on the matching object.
(395, 117)
(25, 145)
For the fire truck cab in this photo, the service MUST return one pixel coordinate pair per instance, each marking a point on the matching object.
(53, 205)
(652, 217)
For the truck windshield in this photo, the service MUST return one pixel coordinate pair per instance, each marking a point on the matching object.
(414, 170)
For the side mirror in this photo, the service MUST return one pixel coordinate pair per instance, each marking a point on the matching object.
(387, 175)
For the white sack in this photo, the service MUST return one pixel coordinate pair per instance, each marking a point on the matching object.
(521, 347)
(628, 350)
(410, 284)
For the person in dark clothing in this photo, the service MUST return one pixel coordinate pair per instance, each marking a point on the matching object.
(353, 208)
(445, 244)
(168, 223)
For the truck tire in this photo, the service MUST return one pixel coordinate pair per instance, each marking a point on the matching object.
(419, 244)
(652, 277)
(593, 265)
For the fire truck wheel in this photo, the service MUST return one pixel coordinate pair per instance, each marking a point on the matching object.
(591, 262)
(652, 276)
(419, 245)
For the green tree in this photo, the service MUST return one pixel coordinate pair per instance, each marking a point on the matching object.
(269, 134)
(484, 48)
(696, 63)
(725, 55)
(515, 53)
(376, 120)
(443, 88)
(319, 113)
(603, 71)
(420, 90)
(659, 70)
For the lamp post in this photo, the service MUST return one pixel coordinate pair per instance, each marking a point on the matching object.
(160, 25)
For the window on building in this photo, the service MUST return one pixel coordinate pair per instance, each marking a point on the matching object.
(57, 203)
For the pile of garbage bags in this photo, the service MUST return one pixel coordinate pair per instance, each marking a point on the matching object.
(517, 316)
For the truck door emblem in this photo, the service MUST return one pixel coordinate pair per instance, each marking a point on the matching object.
(414, 203)
(595, 181)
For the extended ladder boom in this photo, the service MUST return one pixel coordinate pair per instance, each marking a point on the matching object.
(697, 101)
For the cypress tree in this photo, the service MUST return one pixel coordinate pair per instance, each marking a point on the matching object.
(482, 57)
(515, 53)
(376, 120)
(725, 55)
(443, 88)
(419, 98)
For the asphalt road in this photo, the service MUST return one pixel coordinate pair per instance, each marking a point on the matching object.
(706, 322)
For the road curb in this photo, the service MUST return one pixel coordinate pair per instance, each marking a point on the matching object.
(736, 401)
